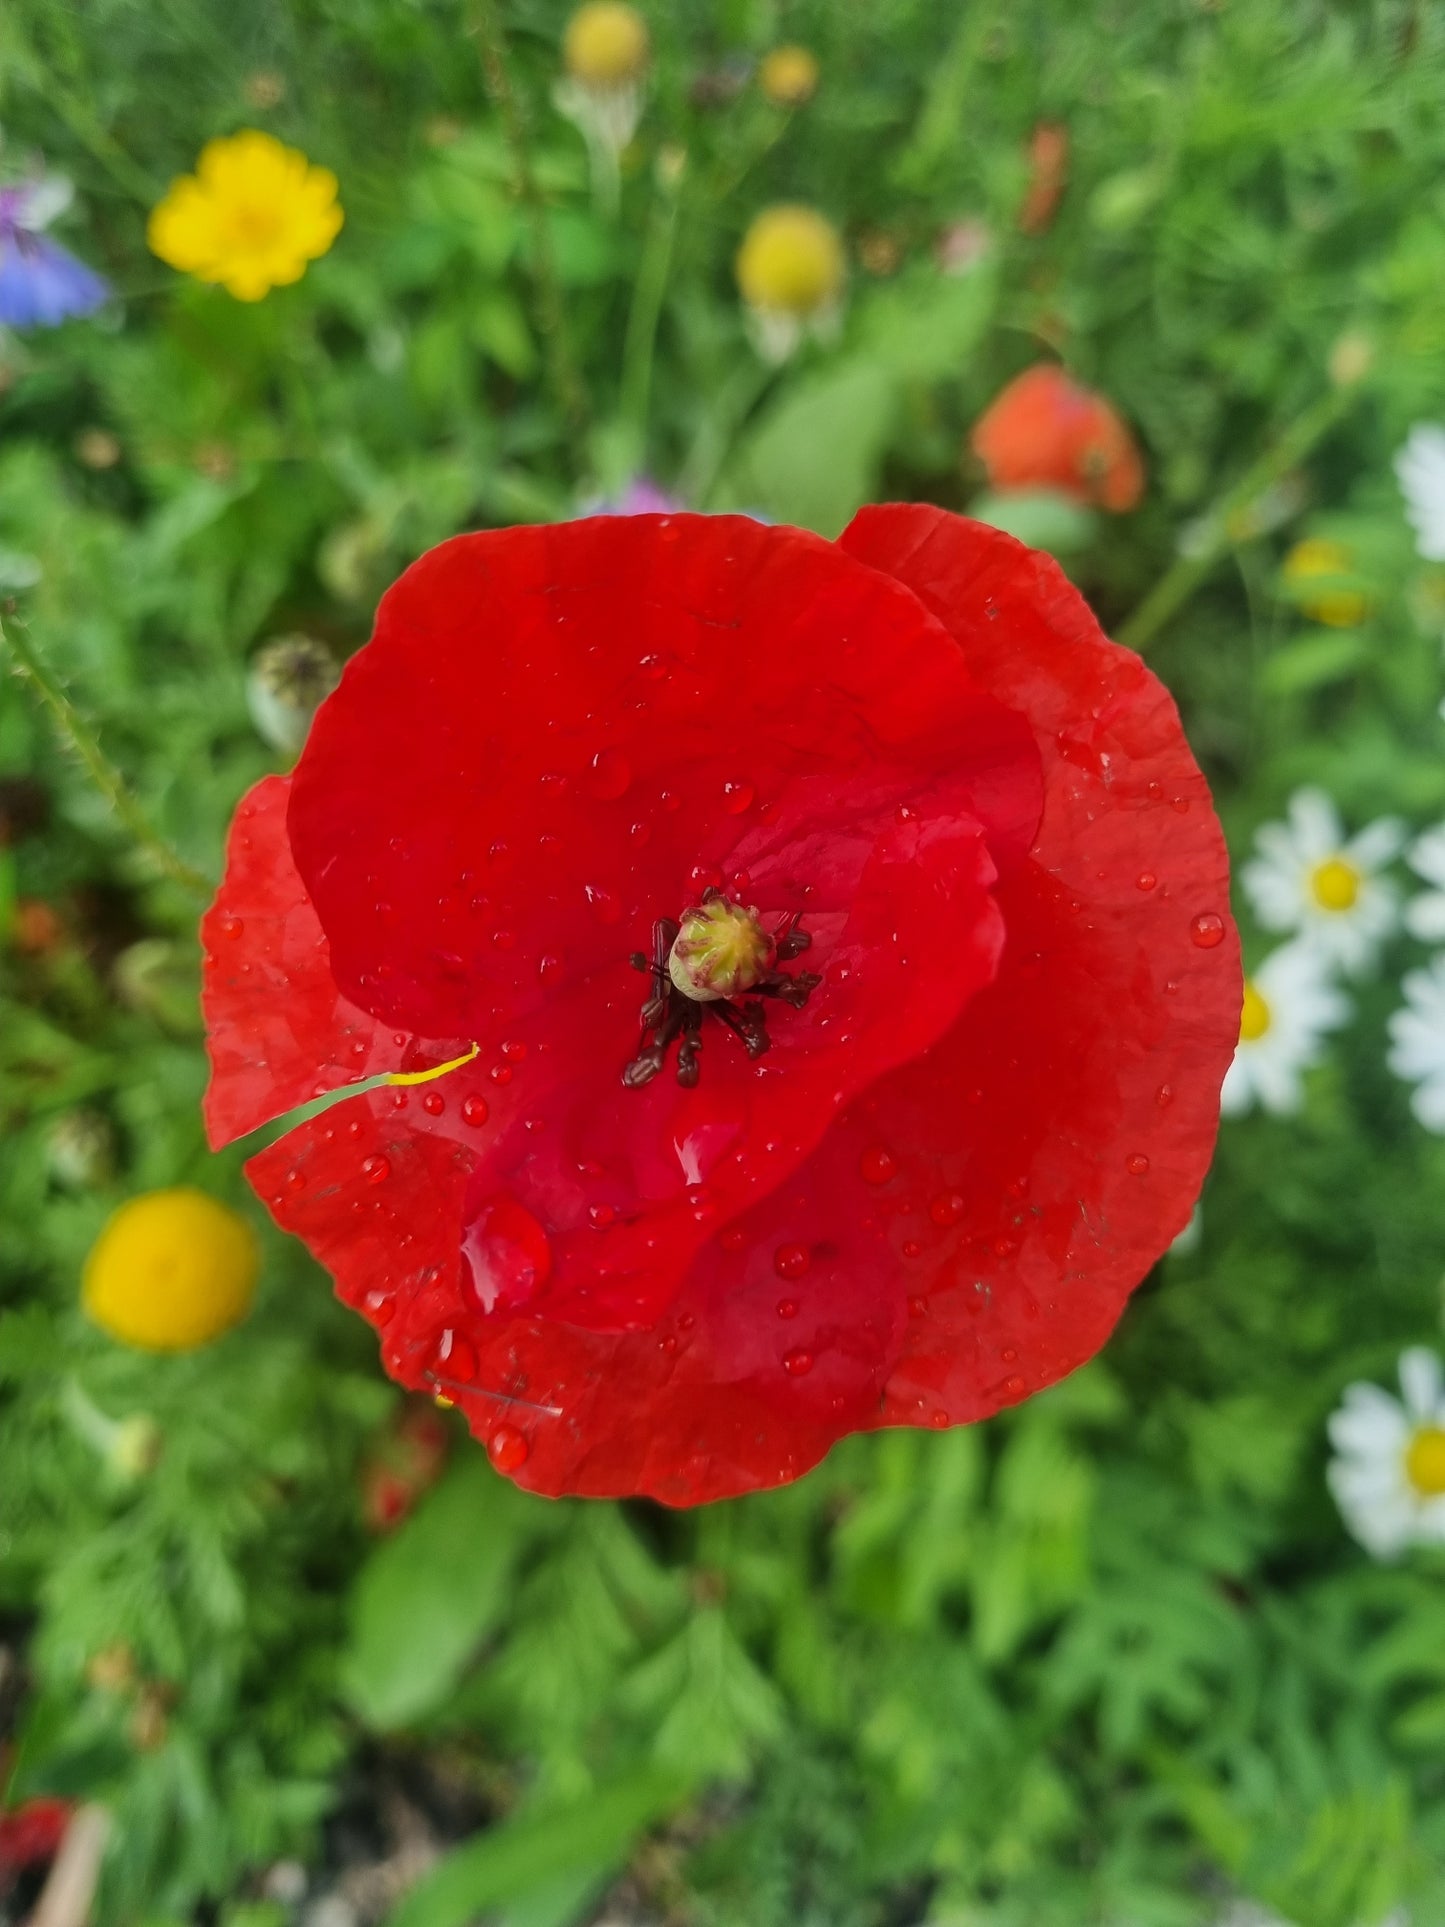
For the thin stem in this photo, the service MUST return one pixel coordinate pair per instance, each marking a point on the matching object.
(78, 736)
(942, 119)
(640, 343)
(551, 325)
(717, 437)
(1187, 572)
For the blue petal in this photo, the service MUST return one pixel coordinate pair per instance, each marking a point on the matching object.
(42, 283)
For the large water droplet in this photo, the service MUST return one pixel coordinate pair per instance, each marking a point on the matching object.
(792, 1261)
(798, 1364)
(947, 1208)
(702, 1141)
(433, 1103)
(506, 1254)
(1207, 930)
(475, 1111)
(507, 1448)
(376, 1170)
(737, 797)
(1137, 1165)
(609, 775)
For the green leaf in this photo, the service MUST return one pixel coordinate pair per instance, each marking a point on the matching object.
(814, 458)
(529, 1857)
(428, 1596)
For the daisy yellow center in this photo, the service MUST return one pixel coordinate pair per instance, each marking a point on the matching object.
(1335, 884)
(605, 44)
(1254, 1019)
(1425, 1461)
(791, 260)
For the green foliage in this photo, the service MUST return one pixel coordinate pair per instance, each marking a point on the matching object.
(1107, 1661)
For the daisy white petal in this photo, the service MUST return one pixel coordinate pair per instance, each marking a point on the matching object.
(1388, 1475)
(1420, 471)
(1307, 876)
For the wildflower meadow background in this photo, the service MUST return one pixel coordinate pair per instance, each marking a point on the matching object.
(290, 291)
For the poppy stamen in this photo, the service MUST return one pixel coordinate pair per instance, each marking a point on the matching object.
(716, 960)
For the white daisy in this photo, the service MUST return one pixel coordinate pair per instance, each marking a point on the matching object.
(1425, 913)
(1389, 1476)
(1420, 471)
(1417, 1042)
(1310, 877)
(1289, 1004)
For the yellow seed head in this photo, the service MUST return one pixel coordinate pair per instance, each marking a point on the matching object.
(1425, 1462)
(788, 76)
(171, 1271)
(1254, 1019)
(791, 261)
(1316, 559)
(606, 44)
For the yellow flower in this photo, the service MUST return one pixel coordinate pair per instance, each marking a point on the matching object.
(170, 1271)
(251, 217)
(1316, 559)
(788, 76)
(790, 262)
(605, 44)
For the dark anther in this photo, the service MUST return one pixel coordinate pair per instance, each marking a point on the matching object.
(668, 1017)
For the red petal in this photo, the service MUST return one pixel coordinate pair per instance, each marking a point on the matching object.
(780, 720)
(279, 1032)
(1090, 1070)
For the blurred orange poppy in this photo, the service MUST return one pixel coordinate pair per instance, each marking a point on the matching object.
(1046, 431)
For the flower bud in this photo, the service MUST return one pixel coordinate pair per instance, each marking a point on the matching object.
(721, 951)
(289, 678)
(1321, 577)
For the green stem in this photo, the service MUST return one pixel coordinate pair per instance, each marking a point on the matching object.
(77, 734)
(940, 125)
(718, 435)
(561, 369)
(1187, 572)
(640, 343)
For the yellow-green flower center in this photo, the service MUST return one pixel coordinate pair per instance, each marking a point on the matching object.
(1425, 1461)
(1335, 884)
(1254, 1019)
(721, 950)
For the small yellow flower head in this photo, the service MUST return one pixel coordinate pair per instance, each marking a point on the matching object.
(788, 76)
(171, 1271)
(251, 217)
(1316, 559)
(790, 270)
(606, 44)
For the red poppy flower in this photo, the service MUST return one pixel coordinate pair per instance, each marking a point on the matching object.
(928, 1077)
(1045, 431)
(1048, 176)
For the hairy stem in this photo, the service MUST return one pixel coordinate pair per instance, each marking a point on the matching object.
(562, 373)
(79, 737)
(1187, 572)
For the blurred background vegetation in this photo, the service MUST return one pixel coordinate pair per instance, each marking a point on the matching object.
(1108, 1661)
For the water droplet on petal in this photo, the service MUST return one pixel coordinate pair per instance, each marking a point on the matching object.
(504, 939)
(600, 1216)
(1137, 1166)
(514, 1048)
(1145, 880)
(549, 969)
(1164, 1096)
(798, 1364)
(433, 1103)
(877, 1165)
(506, 1253)
(792, 1261)
(475, 1111)
(737, 797)
(940, 1421)
(376, 1170)
(507, 1448)
(734, 1238)
(295, 1179)
(500, 1073)
(231, 926)
(609, 775)
(1207, 930)
(1014, 1386)
(947, 1208)
(787, 1308)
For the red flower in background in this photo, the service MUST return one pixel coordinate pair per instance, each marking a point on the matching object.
(30, 1835)
(927, 1081)
(1048, 176)
(1045, 431)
